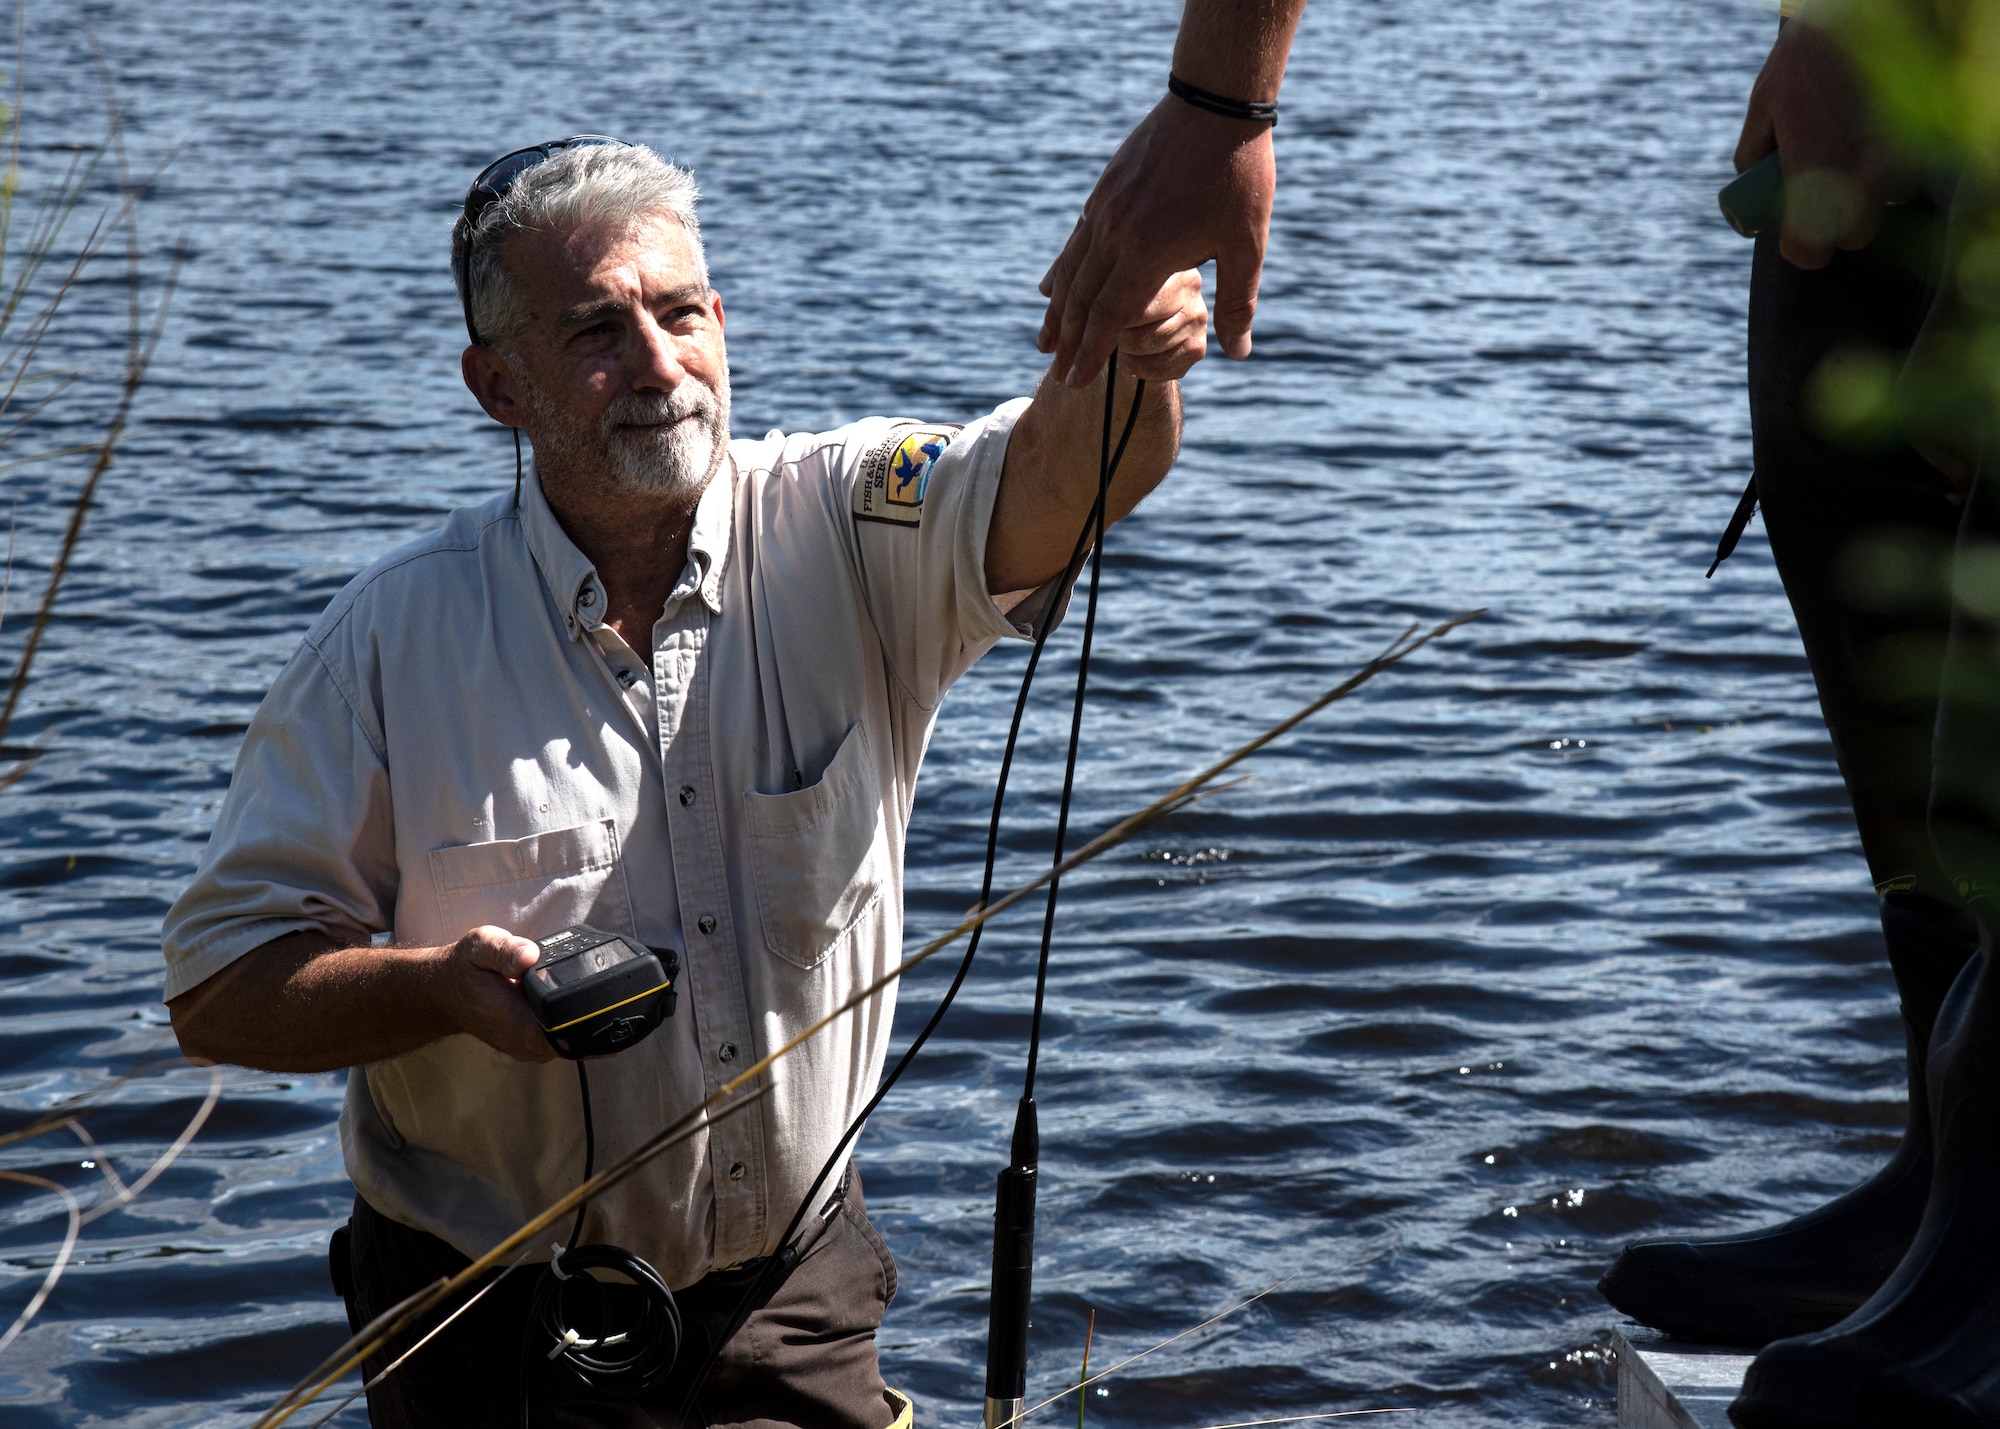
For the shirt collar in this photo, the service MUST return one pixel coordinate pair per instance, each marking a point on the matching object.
(573, 580)
(708, 542)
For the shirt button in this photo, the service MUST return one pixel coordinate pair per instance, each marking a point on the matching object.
(706, 923)
(628, 678)
(726, 1052)
(736, 1172)
(687, 796)
(588, 598)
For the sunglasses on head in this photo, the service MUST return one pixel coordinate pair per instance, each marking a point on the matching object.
(492, 183)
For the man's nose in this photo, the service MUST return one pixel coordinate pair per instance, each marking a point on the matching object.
(658, 365)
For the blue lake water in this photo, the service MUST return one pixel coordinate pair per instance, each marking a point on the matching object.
(1555, 936)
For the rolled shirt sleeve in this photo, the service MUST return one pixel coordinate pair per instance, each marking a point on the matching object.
(304, 840)
(922, 498)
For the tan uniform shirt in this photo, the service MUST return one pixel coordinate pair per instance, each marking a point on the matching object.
(461, 740)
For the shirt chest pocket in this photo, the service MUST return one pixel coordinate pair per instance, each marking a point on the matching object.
(819, 857)
(534, 886)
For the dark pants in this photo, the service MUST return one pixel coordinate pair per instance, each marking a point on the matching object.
(1863, 530)
(804, 1357)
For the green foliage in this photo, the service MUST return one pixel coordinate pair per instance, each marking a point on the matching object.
(1932, 71)
(1932, 68)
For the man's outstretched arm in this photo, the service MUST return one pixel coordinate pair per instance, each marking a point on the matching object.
(1185, 187)
(1050, 478)
(302, 1003)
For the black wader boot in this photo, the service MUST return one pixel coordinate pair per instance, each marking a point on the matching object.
(1832, 511)
(1812, 1272)
(1924, 1351)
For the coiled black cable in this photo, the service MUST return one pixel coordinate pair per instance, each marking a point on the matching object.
(1089, 542)
(619, 1341)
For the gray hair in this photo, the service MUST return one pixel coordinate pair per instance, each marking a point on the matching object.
(599, 185)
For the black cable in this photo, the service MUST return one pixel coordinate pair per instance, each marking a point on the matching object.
(611, 1351)
(782, 1260)
(575, 1319)
(1014, 1190)
(589, 1147)
(1089, 536)
(1107, 464)
(1092, 529)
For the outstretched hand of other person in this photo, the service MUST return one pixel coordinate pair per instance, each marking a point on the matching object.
(1185, 187)
(1809, 105)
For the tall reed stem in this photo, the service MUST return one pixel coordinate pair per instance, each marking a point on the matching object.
(1083, 1375)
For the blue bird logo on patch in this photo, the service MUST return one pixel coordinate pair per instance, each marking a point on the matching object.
(911, 464)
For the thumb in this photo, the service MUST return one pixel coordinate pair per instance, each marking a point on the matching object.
(1237, 274)
(496, 950)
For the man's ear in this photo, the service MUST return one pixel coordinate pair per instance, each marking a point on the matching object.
(717, 297)
(489, 381)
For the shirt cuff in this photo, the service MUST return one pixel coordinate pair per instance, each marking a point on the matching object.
(189, 968)
(1024, 610)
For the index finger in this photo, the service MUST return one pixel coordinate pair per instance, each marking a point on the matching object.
(1055, 283)
(1083, 288)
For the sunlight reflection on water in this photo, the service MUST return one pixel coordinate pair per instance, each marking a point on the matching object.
(1556, 936)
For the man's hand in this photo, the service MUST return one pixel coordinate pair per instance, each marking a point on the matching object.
(483, 986)
(1049, 481)
(1808, 104)
(1170, 334)
(1185, 186)
(301, 1003)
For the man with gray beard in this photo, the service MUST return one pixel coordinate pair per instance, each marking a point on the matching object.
(676, 688)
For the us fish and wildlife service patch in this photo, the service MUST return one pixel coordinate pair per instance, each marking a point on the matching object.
(896, 474)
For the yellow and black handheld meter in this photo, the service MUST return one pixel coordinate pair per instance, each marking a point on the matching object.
(595, 992)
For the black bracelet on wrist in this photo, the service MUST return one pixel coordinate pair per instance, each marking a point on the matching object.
(1257, 111)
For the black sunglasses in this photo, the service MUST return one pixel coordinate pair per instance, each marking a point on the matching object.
(487, 190)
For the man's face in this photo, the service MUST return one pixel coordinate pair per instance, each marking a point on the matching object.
(622, 375)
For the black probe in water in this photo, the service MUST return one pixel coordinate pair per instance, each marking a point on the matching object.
(1014, 1195)
(780, 1262)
